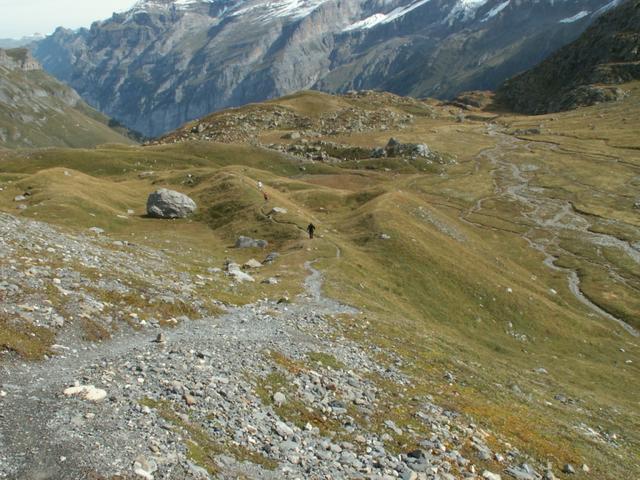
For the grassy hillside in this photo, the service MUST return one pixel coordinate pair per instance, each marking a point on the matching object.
(448, 260)
(38, 111)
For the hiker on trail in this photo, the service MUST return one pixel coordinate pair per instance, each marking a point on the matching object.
(311, 228)
(266, 197)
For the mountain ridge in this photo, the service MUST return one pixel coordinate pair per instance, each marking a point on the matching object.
(584, 72)
(161, 64)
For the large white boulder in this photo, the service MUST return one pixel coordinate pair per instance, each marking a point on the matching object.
(165, 203)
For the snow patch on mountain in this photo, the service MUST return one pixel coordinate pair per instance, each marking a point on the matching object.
(284, 8)
(607, 7)
(464, 10)
(496, 10)
(576, 17)
(382, 18)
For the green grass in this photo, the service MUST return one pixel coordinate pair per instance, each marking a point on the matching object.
(449, 291)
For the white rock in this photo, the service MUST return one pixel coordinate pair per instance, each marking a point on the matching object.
(278, 210)
(284, 430)
(490, 475)
(253, 263)
(279, 399)
(86, 392)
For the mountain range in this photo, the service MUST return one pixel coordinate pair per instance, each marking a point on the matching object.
(164, 62)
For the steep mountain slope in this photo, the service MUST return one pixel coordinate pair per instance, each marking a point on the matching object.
(36, 110)
(165, 62)
(584, 72)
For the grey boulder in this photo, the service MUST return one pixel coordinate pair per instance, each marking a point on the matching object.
(165, 203)
(248, 242)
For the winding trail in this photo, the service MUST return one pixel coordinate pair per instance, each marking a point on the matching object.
(46, 436)
(549, 214)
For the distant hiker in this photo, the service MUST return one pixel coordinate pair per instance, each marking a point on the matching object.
(311, 228)
(266, 197)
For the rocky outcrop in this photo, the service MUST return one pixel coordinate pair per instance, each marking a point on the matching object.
(165, 203)
(18, 59)
(396, 149)
(585, 72)
(163, 63)
(248, 242)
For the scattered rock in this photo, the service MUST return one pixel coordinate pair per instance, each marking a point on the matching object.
(396, 149)
(165, 203)
(86, 392)
(279, 399)
(248, 242)
(568, 469)
(253, 263)
(278, 211)
(490, 475)
(272, 257)
(144, 467)
(284, 430)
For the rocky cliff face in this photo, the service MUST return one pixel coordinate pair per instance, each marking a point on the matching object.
(18, 58)
(165, 62)
(36, 110)
(584, 72)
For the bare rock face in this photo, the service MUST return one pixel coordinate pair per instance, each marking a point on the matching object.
(165, 203)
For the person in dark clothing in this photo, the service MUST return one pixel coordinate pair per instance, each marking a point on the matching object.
(310, 229)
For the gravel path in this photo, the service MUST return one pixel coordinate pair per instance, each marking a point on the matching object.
(269, 390)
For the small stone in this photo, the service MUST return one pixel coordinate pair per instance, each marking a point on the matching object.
(568, 469)
(284, 430)
(87, 392)
(189, 399)
(490, 475)
(144, 467)
(161, 338)
(253, 263)
(585, 468)
(279, 399)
